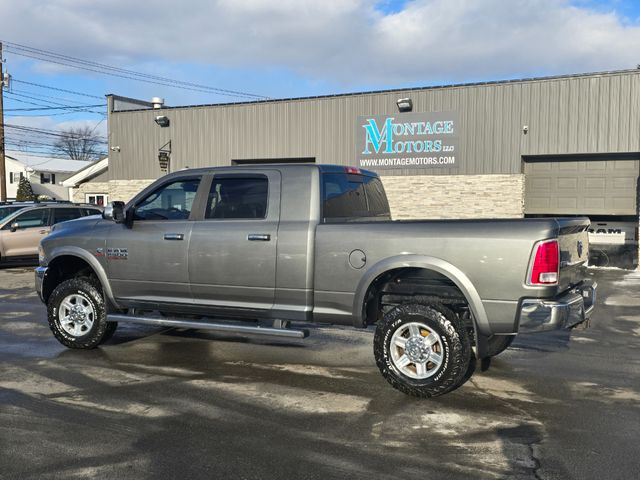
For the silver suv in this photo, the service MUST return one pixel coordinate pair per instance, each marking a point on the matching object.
(22, 230)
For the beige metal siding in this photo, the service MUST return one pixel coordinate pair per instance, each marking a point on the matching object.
(590, 187)
(569, 115)
(103, 177)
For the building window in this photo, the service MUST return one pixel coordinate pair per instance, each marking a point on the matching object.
(48, 178)
(99, 199)
(15, 177)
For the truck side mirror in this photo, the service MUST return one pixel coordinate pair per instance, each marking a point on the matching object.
(15, 226)
(114, 212)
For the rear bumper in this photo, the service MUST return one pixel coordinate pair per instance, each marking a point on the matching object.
(565, 311)
(40, 273)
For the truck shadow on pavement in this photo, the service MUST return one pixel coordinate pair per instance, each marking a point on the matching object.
(544, 342)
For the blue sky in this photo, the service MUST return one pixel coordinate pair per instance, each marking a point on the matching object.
(297, 48)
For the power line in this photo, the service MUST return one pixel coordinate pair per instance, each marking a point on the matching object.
(49, 143)
(70, 108)
(76, 108)
(51, 108)
(38, 131)
(49, 114)
(30, 143)
(101, 66)
(104, 69)
(129, 77)
(32, 153)
(24, 101)
(49, 87)
(41, 97)
(46, 131)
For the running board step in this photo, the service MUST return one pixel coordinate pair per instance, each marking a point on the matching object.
(209, 325)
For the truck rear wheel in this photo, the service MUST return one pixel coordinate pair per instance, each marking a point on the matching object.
(77, 314)
(422, 349)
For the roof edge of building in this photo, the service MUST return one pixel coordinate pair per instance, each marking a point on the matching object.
(396, 90)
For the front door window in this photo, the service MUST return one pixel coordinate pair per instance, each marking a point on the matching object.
(171, 201)
(31, 219)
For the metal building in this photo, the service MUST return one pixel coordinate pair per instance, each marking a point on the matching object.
(567, 145)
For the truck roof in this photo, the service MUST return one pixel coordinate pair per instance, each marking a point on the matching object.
(323, 168)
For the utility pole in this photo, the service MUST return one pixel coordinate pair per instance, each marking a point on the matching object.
(3, 172)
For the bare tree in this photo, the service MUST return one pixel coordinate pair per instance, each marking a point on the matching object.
(79, 144)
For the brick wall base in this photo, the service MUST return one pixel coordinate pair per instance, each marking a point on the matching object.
(455, 196)
(125, 190)
(122, 190)
(79, 194)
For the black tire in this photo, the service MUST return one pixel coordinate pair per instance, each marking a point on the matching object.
(455, 348)
(90, 294)
(498, 344)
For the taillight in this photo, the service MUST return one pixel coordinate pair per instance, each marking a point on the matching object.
(544, 270)
(352, 170)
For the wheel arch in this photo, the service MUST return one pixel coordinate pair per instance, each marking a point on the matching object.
(68, 260)
(437, 265)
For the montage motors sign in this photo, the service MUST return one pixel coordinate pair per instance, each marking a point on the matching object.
(407, 140)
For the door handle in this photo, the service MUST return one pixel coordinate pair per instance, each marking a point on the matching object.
(259, 237)
(42, 232)
(174, 236)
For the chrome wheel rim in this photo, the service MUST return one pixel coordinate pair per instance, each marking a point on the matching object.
(76, 315)
(416, 350)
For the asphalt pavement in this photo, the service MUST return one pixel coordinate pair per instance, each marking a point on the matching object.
(169, 403)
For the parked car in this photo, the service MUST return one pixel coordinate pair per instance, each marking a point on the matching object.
(22, 230)
(7, 208)
(254, 248)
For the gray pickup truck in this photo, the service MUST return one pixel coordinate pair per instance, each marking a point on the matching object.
(264, 249)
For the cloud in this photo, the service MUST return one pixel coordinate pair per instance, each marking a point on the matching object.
(350, 42)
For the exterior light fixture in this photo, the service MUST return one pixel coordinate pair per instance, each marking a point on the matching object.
(405, 104)
(162, 120)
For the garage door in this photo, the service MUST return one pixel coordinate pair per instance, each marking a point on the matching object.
(594, 187)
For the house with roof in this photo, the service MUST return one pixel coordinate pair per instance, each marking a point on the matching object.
(90, 184)
(45, 174)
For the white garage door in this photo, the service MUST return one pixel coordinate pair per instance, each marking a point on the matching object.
(587, 187)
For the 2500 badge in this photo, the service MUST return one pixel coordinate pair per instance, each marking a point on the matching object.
(113, 253)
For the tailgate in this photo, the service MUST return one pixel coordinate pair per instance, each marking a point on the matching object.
(573, 239)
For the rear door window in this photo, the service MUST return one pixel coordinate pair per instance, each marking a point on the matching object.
(352, 197)
(64, 214)
(238, 198)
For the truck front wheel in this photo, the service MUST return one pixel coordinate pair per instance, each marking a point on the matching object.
(77, 314)
(422, 349)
